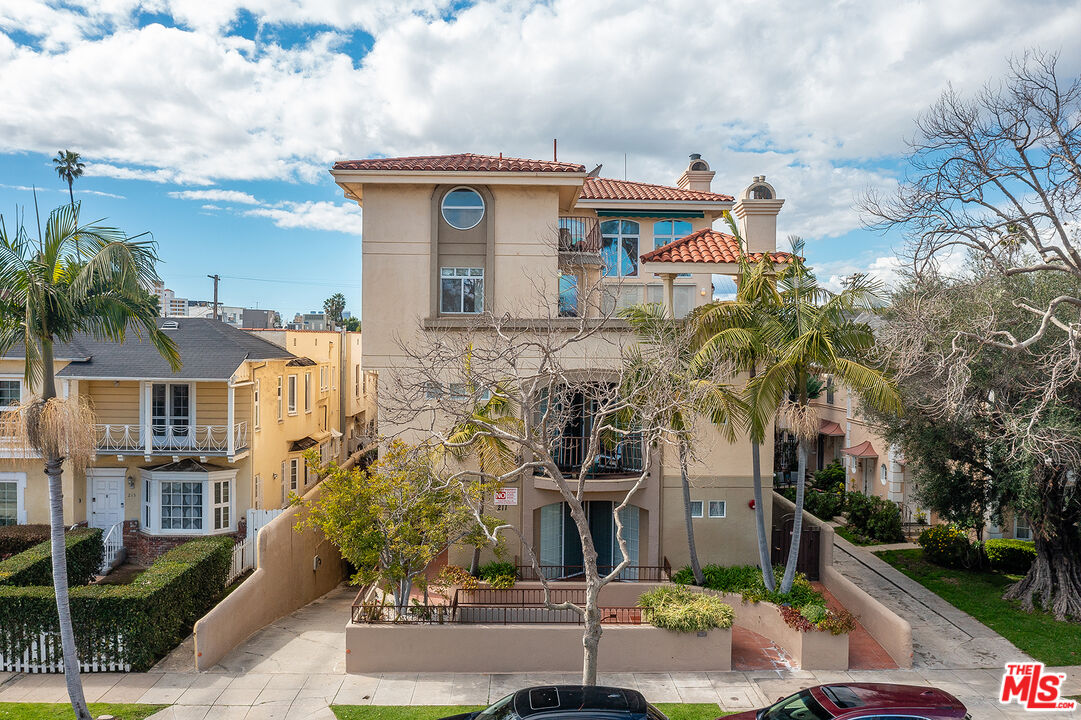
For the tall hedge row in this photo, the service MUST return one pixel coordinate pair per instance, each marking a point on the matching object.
(152, 614)
(15, 539)
(35, 566)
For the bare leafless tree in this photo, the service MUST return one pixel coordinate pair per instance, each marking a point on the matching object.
(545, 369)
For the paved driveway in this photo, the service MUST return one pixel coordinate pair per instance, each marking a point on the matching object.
(942, 635)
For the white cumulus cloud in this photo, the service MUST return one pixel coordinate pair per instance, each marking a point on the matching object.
(226, 196)
(338, 217)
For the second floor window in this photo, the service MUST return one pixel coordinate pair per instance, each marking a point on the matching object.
(619, 248)
(667, 231)
(294, 474)
(10, 393)
(292, 394)
(463, 208)
(307, 392)
(568, 296)
(170, 408)
(461, 290)
(279, 398)
(255, 406)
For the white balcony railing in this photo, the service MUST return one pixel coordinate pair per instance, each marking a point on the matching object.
(173, 439)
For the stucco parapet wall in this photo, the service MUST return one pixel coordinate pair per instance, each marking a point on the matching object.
(530, 648)
(567, 324)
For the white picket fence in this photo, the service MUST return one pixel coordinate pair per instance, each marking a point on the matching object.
(243, 559)
(45, 655)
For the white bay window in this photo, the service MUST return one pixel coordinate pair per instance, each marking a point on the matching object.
(188, 498)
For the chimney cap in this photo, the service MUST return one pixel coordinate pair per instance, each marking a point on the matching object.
(696, 156)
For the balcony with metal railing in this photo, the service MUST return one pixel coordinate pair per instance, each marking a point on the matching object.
(579, 240)
(171, 439)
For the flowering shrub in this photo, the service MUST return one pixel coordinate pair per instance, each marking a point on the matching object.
(818, 617)
(454, 576)
(794, 619)
(947, 545)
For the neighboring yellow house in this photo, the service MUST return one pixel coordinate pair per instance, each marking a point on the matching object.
(449, 237)
(186, 453)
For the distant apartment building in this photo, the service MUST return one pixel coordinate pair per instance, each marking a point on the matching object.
(170, 305)
(309, 321)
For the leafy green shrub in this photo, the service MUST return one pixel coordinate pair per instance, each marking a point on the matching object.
(947, 545)
(680, 609)
(502, 582)
(746, 580)
(824, 505)
(495, 569)
(814, 613)
(14, 539)
(1011, 556)
(874, 517)
(831, 478)
(152, 614)
(35, 566)
(839, 622)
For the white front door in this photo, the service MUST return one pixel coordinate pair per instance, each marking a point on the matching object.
(105, 496)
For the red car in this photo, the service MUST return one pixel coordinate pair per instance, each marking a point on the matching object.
(862, 701)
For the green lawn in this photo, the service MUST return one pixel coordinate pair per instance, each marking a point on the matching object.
(979, 593)
(62, 711)
(675, 711)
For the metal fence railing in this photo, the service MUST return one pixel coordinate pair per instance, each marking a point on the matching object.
(631, 573)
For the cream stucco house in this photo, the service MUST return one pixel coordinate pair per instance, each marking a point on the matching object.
(447, 238)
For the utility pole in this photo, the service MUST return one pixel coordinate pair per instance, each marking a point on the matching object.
(216, 278)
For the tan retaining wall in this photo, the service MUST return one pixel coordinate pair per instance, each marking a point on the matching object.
(529, 648)
(288, 577)
(889, 629)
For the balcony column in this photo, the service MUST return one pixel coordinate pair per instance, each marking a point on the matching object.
(230, 417)
(669, 295)
(148, 414)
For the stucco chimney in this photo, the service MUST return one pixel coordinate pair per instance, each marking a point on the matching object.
(697, 176)
(757, 210)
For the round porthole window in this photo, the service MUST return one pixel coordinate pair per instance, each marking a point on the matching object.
(463, 208)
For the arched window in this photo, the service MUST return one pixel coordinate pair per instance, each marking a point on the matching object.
(666, 231)
(619, 247)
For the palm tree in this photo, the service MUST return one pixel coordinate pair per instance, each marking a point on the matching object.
(69, 165)
(815, 331)
(735, 330)
(470, 438)
(693, 391)
(50, 293)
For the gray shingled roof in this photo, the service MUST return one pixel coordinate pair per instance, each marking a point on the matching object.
(209, 349)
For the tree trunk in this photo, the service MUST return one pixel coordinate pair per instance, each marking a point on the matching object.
(696, 568)
(765, 562)
(71, 194)
(797, 521)
(54, 472)
(474, 563)
(591, 637)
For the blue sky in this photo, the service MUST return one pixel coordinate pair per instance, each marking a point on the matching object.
(212, 124)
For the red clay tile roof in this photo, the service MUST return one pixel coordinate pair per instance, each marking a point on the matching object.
(707, 246)
(463, 162)
(607, 189)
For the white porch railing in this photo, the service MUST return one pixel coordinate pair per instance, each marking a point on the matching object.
(203, 439)
(113, 544)
(243, 559)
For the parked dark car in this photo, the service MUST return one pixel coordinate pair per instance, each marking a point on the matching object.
(568, 702)
(860, 701)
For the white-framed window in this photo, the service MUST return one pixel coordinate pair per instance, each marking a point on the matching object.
(356, 381)
(307, 392)
(1021, 528)
(322, 378)
(256, 414)
(11, 393)
(696, 508)
(12, 498)
(279, 398)
(294, 473)
(717, 508)
(171, 411)
(292, 395)
(257, 492)
(461, 290)
(619, 247)
(462, 208)
(188, 503)
(221, 504)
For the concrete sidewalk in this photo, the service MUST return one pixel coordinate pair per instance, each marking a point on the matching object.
(297, 696)
(942, 635)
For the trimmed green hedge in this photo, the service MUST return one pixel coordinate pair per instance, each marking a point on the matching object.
(152, 614)
(1010, 556)
(35, 566)
(948, 546)
(874, 517)
(14, 539)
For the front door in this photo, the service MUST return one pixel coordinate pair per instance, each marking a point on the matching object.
(105, 493)
(868, 476)
(170, 414)
(561, 547)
